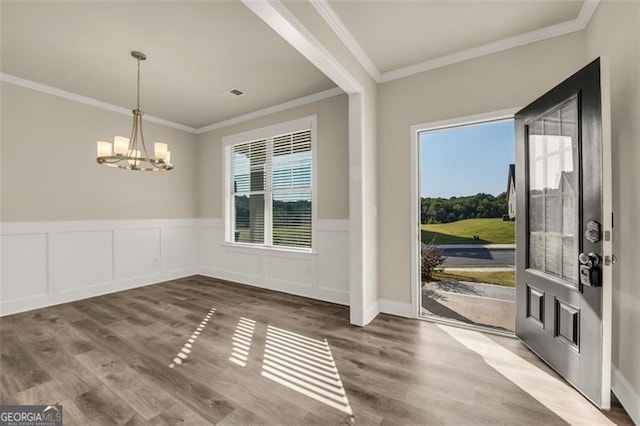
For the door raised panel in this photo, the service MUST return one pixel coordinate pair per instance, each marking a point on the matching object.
(535, 305)
(567, 320)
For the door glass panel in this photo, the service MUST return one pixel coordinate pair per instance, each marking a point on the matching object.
(554, 193)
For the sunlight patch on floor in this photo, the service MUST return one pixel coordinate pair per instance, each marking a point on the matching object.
(184, 353)
(547, 389)
(241, 341)
(304, 365)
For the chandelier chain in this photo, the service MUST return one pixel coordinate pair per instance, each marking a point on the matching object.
(138, 96)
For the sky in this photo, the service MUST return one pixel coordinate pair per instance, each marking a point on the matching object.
(466, 160)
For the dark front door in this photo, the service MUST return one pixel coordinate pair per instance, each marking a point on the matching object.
(560, 232)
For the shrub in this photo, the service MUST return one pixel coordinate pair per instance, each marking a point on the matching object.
(431, 258)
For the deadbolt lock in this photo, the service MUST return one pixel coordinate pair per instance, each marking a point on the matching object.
(592, 233)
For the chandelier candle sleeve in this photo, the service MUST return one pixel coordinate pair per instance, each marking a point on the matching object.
(120, 145)
(104, 149)
(160, 150)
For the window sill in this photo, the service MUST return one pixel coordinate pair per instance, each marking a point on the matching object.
(270, 249)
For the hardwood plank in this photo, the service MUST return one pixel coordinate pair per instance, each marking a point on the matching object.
(107, 360)
(19, 370)
(202, 399)
(50, 393)
(104, 407)
(66, 371)
(179, 414)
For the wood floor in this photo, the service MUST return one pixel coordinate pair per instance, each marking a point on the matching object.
(199, 351)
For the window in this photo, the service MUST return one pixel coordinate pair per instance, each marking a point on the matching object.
(270, 188)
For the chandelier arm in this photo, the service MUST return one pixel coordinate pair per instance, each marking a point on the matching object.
(136, 141)
(132, 138)
(110, 159)
(144, 146)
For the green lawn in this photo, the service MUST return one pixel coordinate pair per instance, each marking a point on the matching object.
(507, 279)
(282, 236)
(490, 231)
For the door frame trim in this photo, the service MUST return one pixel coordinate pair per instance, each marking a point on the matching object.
(607, 226)
(414, 158)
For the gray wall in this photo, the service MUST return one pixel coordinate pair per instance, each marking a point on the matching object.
(49, 173)
(333, 157)
(614, 31)
(508, 79)
(48, 169)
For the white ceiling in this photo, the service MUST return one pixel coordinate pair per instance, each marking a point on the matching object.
(397, 34)
(196, 50)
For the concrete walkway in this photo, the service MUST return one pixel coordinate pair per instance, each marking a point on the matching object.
(483, 290)
(472, 303)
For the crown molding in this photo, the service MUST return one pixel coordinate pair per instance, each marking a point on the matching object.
(341, 30)
(333, 20)
(484, 50)
(586, 13)
(276, 15)
(39, 87)
(272, 109)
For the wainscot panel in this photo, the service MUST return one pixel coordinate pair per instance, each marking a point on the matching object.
(322, 275)
(47, 263)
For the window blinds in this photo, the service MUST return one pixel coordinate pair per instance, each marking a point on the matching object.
(271, 191)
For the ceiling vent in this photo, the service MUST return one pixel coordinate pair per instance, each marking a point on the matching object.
(232, 93)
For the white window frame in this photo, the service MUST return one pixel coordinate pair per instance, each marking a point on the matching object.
(414, 137)
(306, 123)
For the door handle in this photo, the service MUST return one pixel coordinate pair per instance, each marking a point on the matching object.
(589, 273)
(590, 260)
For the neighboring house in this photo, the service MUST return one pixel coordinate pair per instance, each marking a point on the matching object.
(511, 191)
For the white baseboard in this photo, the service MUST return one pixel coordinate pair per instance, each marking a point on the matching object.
(390, 307)
(325, 295)
(371, 313)
(399, 309)
(626, 394)
(44, 301)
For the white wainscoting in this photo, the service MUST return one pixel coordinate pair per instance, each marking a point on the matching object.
(323, 275)
(47, 263)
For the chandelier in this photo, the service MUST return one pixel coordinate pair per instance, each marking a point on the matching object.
(131, 153)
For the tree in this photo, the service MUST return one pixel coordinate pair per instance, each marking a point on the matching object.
(443, 210)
